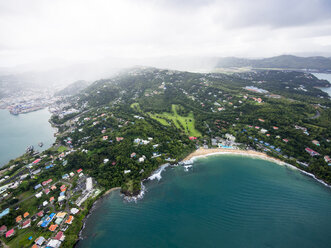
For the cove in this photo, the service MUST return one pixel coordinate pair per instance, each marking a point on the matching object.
(17, 132)
(222, 201)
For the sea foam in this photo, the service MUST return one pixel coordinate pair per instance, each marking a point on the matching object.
(158, 172)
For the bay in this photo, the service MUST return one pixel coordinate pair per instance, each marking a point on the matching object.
(222, 201)
(325, 76)
(17, 132)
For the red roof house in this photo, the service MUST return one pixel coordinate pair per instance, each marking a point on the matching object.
(40, 214)
(10, 233)
(3, 230)
(59, 236)
(26, 223)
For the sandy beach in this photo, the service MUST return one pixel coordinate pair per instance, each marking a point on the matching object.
(202, 152)
(111, 190)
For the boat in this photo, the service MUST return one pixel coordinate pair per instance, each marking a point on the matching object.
(40, 144)
(30, 148)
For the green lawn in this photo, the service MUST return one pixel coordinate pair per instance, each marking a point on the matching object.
(21, 238)
(185, 121)
(135, 106)
(61, 149)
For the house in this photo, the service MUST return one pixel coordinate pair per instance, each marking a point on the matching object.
(10, 233)
(230, 137)
(63, 188)
(275, 128)
(65, 176)
(61, 198)
(36, 161)
(311, 152)
(46, 182)
(261, 120)
(54, 243)
(3, 230)
(71, 174)
(74, 211)
(51, 200)
(38, 195)
(104, 137)
(39, 241)
(89, 184)
(133, 155)
(127, 171)
(327, 159)
(263, 130)
(315, 142)
(40, 214)
(140, 160)
(61, 214)
(18, 218)
(53, 187)
(47, 191)
(214, 142)
(69, 220)
(79, 171)
(119, 139)
(53, 227)
(45, 203)
(58, 221)
(37, 186)
(285, 140)
(59, 236)
(192, 138)
(26, 214)
(26, 223)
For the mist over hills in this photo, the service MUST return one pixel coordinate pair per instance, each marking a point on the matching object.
(59, 74)
(319, 63)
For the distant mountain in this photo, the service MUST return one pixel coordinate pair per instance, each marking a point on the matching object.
(73, 88)
(283, 62)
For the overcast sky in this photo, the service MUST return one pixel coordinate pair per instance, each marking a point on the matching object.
(87, 30)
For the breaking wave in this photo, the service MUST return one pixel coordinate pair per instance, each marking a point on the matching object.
(137, 197)
(157, 173)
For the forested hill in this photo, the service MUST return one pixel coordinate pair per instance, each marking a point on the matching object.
(73, 88)
(284, 62)
(172, 112)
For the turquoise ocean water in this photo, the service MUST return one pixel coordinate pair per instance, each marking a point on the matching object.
(18, 132)
(222, 201)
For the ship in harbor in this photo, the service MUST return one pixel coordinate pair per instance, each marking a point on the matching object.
(29, 149)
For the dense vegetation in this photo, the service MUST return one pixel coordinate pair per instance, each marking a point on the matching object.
(170, 102)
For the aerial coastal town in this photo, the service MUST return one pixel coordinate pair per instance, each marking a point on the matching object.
(45, 212)
(115, 135)
(28, 100)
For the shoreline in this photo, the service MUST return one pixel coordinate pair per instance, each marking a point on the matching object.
(109, 191)
(199, 153)
(90, 211)
(203, 152)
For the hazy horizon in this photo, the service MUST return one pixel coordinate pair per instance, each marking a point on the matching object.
(52, 34)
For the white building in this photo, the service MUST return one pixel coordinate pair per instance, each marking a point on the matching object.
(89, 184)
